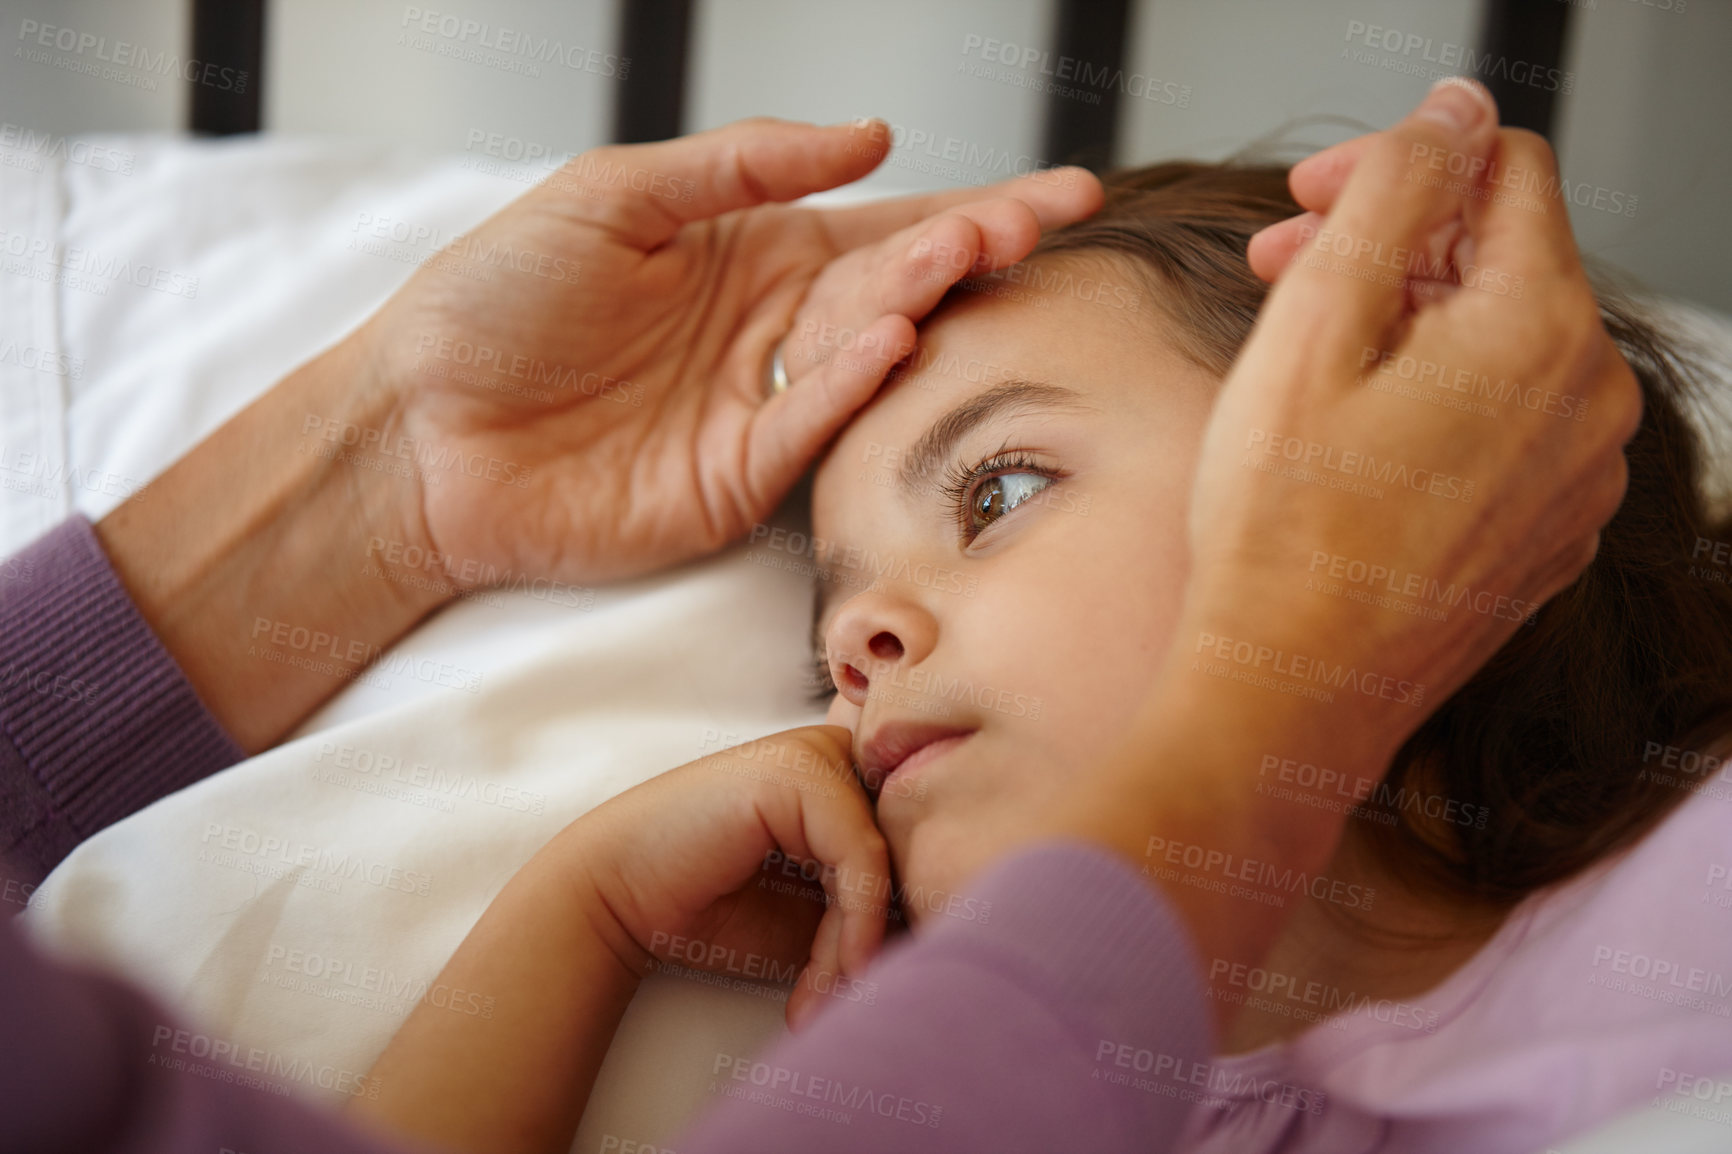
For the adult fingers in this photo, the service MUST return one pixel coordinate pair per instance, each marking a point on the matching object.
(858, 321)
(906, 274)
(787, 431)
(1533, 312)
(1350, 282)
(1315, 183)
(1058, 196)
(1317, 180)
(644, 193)
(1503, 221)
(1272, 249)
(1526, 231)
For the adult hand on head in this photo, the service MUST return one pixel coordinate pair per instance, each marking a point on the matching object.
(573, 392)
(1511, 505)
(656, 312)
(1307, 468)
(1435, 268)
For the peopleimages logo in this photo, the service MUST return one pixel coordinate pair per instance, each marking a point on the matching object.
(227, 845)
(86, 269)
(801, 1092)
(27, 148)
(1414, 54)
(1176, 860)
(224, 1060)
(1122, 1063)
(1060, 75)
(1304, 667)
(482, 43)
(122, 54)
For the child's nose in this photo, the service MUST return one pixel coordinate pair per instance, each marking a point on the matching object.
(885, 648)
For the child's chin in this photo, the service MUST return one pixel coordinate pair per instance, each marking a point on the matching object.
(928, 870)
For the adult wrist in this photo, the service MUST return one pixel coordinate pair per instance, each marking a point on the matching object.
(250, 557)
(1195, 796)
(1347, 661)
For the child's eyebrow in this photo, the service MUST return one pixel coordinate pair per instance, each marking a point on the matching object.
(922, 459)
(1014, 395)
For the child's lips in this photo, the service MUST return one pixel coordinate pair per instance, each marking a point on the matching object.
(899, 748)
(922, 757)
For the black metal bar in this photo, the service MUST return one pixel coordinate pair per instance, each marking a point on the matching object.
(1087, 60)
(1522, 55)
(228, 50)
(650, 101)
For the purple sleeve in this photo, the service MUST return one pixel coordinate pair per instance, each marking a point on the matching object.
(1069, 1017)
(96, 719)
(1063, 1016)
(91, 1064)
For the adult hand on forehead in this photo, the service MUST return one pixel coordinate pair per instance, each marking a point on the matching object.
(573, 392)
(679, 276)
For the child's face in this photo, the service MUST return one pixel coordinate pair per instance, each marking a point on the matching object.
(1009, 571)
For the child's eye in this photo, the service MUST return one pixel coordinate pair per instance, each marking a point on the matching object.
(995, 496)
(981, 495)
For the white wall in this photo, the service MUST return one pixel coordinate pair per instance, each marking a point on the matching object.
(903, 60)
(366, 68)
(1648, 117)
(45, 95)
(1255, 66)
(1651, 119)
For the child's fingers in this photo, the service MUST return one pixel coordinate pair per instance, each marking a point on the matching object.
(823, 815)
(860, 885)
(822, 973)
(792, 799)
(776, 917)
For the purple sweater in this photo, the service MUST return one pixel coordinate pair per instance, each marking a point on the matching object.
(1073, 1020)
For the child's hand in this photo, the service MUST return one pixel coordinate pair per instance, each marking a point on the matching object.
(561, 949)
(678, 865)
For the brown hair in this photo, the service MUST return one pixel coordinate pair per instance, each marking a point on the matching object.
(1554, 741)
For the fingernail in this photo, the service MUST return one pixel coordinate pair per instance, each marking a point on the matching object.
(1456, 102)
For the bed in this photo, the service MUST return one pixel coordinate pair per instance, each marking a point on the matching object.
(303, 901)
